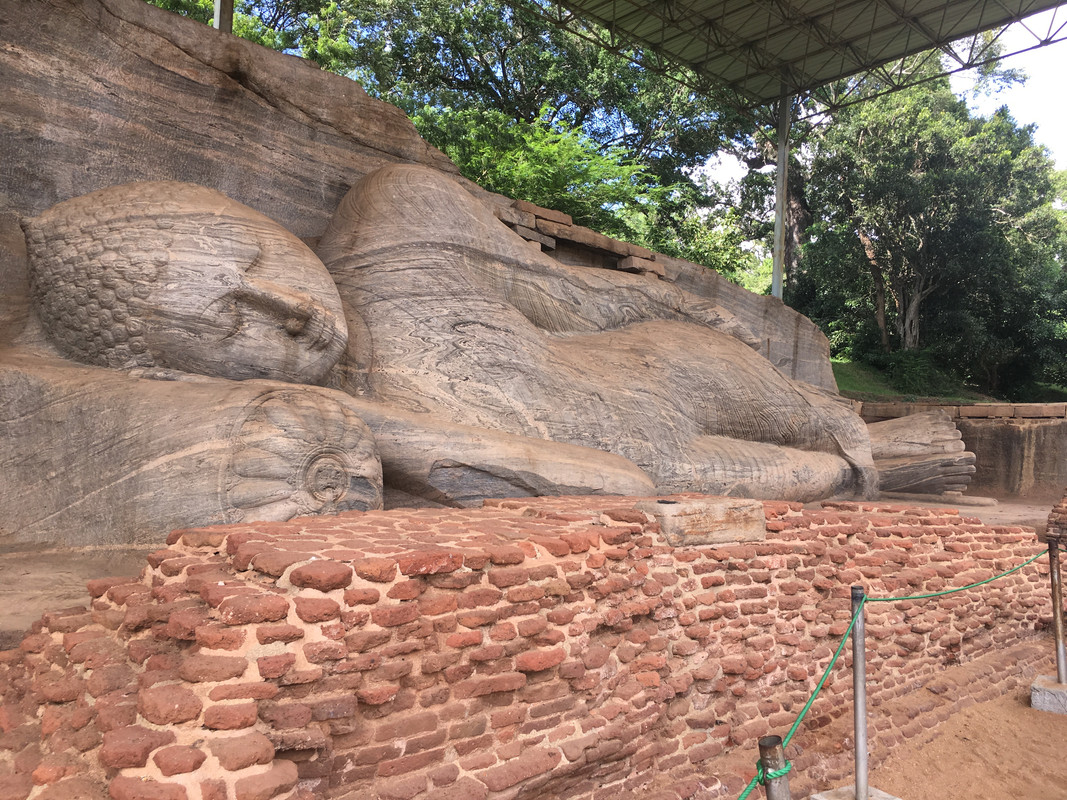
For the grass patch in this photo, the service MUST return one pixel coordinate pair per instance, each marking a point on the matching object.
(859, 381)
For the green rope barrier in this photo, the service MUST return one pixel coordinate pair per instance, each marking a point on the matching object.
(761, 777)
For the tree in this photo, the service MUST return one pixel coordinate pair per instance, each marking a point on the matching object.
(939, 226)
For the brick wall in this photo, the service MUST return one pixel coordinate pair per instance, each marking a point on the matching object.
(550, 647)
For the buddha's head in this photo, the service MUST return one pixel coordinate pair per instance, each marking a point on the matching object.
(181, 277)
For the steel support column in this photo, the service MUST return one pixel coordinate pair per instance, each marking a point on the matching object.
(223, 15)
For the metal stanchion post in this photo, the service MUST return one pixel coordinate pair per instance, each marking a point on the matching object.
(772, 756)
(1057, 609)
(859, 691)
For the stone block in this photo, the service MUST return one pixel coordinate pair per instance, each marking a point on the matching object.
(543, 213)
(510, 215)
(640, 265)
(1040, 410)
(987, 410)
(530, 235)
(708, 520)
(849, 793)
(1047, 695)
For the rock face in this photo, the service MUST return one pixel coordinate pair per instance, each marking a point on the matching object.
(460, 319)
(171, 355)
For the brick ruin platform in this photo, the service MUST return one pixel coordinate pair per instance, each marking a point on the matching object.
(549, 648)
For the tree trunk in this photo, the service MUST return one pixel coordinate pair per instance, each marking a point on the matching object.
(878, 279)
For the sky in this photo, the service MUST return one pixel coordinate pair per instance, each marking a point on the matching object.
(1043, 98)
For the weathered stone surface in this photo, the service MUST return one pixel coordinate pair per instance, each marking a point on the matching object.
(921, 453)
(301, 137)
(1048, 695)
(608, 360)
(708, 520)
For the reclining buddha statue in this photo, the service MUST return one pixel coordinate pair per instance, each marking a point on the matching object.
(188, 361)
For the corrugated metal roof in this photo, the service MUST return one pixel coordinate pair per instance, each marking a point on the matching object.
(764, 49)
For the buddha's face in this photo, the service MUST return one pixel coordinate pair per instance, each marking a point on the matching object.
(247, 303)
(180, 277)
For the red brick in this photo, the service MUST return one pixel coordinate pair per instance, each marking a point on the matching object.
(377, 695)
(429, 562)
(244, 691)
(334, 708)
(361, 641)
(400, 788)
(56, 688)
(275, 666)
(362, 596)
(230, 717)
(478, 687)
(464, 639)
(502, 577)
(266, 634)
(317, 609)
(321, 652)
(477, 617)
(238, 752)
(243, 609)
(182, 624)
(100, 586)
(505, 555)
(123, 787)
(200, 668)
(168, 704)
(131, 746)
(276, 562)
(111, 716)
(218, 637)
(533, 762)
(177, 760)
(324, 575)
(537, 660)
(463, 789)
(286, 715)
(378, 570)
(393, 615)
(410, 763)
(406, 590)
(438, 602)
(281, 777)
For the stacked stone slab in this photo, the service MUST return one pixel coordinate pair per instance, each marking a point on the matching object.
(547, 648)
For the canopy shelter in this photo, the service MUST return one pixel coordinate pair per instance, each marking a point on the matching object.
(763, 50)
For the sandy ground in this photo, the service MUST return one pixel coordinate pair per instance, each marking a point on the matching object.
(996, 750)
(999, 750)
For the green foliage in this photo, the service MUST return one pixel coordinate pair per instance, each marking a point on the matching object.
(545, 163)
(944, 222)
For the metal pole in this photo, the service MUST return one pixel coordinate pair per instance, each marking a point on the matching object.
(772, 756)
(785, 110)
(859, 690)
(1057, 609)
(224, 15)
